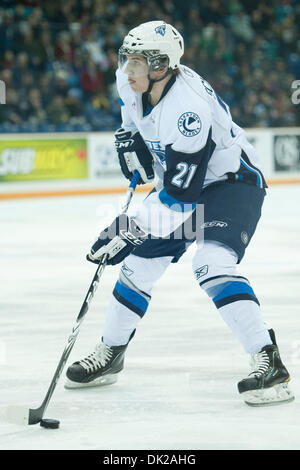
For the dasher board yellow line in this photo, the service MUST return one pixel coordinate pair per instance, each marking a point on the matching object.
(116, 190)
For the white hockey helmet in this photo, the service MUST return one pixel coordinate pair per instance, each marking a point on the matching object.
(155, 40)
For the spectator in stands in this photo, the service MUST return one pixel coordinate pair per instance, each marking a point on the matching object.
(10, 112)
(92, 81)
(74, 103)
(248, 50)
(36, 112)
(20, 68)
(57, 111)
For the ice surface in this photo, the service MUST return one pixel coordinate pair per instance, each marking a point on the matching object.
(178, 389)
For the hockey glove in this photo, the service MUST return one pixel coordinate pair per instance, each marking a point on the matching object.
(134, 155)
(118, 240)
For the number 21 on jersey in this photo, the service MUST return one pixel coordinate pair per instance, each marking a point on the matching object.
(185, 175)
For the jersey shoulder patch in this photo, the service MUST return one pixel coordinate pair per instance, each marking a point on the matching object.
(189, 124)
(186, 119)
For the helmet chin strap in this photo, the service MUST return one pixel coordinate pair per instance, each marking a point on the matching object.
(152, 81)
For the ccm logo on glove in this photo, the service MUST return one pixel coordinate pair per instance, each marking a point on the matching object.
(118, 240)
(134, 155)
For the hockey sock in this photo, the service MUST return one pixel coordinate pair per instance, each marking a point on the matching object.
(120, 323)
(239, 308)
(131, 297)
(127, 306)
(232, 294)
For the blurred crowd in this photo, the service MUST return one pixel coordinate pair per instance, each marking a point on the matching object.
(58, 58)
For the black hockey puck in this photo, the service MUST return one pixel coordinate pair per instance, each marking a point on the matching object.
(49, 423)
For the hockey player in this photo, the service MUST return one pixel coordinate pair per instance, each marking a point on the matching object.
(177, 128)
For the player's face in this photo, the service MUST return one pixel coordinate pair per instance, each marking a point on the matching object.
(137, 70)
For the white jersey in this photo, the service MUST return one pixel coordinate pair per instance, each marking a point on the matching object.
(191, 128)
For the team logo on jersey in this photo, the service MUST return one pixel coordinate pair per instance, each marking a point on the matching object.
(161, 29)
(157, 150)
(189, 124)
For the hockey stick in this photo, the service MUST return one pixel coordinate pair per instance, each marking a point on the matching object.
(35, 415)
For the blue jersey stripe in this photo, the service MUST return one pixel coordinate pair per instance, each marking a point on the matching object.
(235, 298)
(232, 288)
(220, 277)
(131, 296)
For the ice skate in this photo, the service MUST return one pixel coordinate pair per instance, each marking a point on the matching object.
(99, 368)
(267, 384)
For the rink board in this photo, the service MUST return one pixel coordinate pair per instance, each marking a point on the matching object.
(69, 164)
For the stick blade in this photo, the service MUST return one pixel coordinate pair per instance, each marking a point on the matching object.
(35, 415)
(16, 414)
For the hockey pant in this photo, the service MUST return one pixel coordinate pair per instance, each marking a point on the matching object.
(215, 269)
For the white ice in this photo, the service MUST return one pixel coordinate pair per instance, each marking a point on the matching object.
(178, 388)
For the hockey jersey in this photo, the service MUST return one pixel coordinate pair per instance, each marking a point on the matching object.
(194, 142)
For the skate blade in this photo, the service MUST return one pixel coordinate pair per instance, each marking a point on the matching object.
(99, 382)
(269, 396)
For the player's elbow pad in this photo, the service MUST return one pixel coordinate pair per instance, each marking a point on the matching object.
(184, 177)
